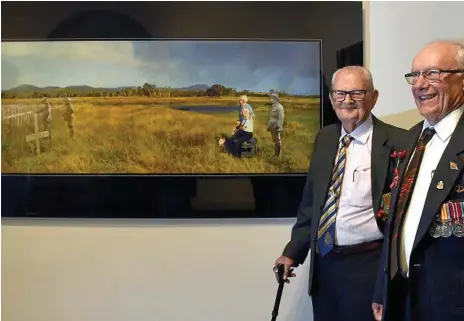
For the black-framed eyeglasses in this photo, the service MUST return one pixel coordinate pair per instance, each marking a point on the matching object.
(430, 76)
(356, 95)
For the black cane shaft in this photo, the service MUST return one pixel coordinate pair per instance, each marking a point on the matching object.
(275, 312)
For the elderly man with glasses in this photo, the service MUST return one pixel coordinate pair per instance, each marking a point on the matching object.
(351, 169)
(421, 277)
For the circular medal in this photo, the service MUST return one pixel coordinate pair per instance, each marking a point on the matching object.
(446, 230)
(435, 230)
(458, 230)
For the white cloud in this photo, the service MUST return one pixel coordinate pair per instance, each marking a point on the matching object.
(121, 52)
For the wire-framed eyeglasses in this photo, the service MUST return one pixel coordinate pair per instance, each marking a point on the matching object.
(356, 95)
(431, 76)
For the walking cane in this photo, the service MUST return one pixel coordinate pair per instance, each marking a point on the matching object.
(279, 269)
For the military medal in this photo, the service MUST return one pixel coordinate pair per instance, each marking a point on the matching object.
(445, 218)
(456, 210)
(435, 230)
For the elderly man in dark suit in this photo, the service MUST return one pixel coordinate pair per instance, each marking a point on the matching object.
(421, 277)
(350, 170)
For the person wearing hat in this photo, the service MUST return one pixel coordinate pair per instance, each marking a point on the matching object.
(68, 116)
(276, 121)
(46, 116)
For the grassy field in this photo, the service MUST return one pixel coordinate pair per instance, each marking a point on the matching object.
(143, 135)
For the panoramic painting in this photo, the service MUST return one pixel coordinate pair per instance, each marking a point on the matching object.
(159, 107)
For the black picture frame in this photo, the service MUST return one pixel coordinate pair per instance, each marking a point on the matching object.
(338, 24)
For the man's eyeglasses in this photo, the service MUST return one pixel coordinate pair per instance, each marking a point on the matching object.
(430, 76)
(356, 95)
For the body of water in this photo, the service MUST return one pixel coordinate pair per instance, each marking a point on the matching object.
(208, 109)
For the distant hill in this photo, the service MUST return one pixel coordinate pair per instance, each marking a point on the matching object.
(84, 88)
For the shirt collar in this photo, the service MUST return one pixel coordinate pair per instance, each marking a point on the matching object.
(362, 132)
(445, 127)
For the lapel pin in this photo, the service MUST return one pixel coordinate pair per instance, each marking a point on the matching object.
(440, 185)
(453, 166)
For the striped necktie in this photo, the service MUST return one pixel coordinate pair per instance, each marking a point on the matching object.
(406, 190)
(326, 232)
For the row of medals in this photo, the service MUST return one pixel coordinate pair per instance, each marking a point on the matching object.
(446, 229)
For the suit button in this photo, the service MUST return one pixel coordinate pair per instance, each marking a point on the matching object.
(314, 239)
(385, 271)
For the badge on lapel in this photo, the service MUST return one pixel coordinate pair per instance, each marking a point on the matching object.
(454, 166)
(398, 156)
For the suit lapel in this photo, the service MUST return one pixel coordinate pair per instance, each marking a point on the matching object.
(380, 157)
(411, 145)
(454, 152)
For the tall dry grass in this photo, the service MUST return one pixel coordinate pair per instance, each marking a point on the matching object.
(141, 135)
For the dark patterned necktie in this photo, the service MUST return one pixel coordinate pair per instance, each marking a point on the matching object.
(405, 195)
(326, 230)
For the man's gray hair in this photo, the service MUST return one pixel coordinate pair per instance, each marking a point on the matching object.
(366, 73)
(460, 55)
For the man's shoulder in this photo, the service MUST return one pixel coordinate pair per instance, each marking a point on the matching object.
(329, 130)
(389, 129)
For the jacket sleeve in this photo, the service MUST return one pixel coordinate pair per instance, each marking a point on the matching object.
(300, 242)
(379, 292)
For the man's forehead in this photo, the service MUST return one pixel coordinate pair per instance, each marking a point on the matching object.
(436, 57)
(349, 81)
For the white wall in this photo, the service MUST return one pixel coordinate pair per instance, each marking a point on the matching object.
(66, 270)
(398, 30)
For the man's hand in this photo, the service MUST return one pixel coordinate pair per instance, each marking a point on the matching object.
(288, 263)
(378, 310)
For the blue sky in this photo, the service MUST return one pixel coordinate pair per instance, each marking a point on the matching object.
(254, 65)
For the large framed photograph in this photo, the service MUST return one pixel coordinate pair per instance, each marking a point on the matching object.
(160, 106)
(119, 110)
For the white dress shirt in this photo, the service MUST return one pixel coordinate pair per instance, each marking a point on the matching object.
(355, 222)
(432, 154)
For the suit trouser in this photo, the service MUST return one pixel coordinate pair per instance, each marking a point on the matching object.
(343, 285)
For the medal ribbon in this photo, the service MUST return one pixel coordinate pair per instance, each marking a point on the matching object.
(458, 209)
(454, 213)
(445, 215)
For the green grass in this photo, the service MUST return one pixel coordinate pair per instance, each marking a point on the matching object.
(144, 135)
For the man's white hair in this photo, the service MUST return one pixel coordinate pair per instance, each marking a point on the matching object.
(366, 74)
(244, 98)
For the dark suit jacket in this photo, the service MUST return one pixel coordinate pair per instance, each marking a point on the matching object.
(385, 140)
(437, 264)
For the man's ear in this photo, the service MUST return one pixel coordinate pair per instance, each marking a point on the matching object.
(375, 96)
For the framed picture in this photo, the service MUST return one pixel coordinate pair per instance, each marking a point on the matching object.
(107, 116)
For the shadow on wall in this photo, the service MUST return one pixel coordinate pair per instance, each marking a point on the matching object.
(405, 119)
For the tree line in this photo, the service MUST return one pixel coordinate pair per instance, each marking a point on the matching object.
(146, 90)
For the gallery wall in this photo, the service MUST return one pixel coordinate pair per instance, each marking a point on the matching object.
(395, 36)
(94, 270)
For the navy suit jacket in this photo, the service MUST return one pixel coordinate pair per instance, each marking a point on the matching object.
(436, 271)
